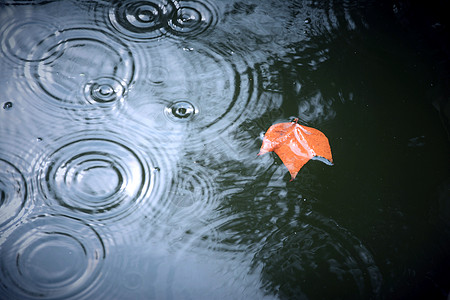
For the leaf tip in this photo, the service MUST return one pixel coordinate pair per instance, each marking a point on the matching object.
(293, 175)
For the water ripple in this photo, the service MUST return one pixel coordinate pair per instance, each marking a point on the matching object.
(141, 20)
(202, 107)
(100, 176)
(88, 68)
(193, 189)
(13, 192)
(17, 149)
(180, 110)
(192, 18)
(20, 38)
(51, 257)
(105, 91)
(302, 251)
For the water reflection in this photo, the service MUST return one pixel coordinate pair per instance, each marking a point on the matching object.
(13, 192)
(98, 177)
(315, 108)
(71, 69)
(15, 186)
(181, 110)
(52, 257)
(200, 108)
(105, 90)
(194, 188)
(141, 21)
(22, 35)
(192, 18)
(148, 116)
(129, 137)
(297, 256)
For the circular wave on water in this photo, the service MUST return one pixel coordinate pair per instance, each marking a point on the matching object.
(193, 188)
(141, 19)
(51, 257)
(13, 192)
(21, 37)
(312, 256)
(99, 176)
(105, 91)
(191, 195)
(180, 110)
(207, 92)
(144, 20)
(88, 68)
(192, 18)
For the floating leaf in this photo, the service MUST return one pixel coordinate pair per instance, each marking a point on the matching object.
(296, 145)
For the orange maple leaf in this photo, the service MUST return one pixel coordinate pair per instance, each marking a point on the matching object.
(295, 145)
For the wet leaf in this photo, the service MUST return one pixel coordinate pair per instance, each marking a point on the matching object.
(296, 144)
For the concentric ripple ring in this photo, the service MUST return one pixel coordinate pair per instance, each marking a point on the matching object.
(192, 18)
(20, 38)
(141, 20)
(318, 243)
(13, 192)
(82, 57)
(51, 257)
(97, 177)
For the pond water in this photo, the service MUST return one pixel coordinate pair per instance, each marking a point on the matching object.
(129, 132)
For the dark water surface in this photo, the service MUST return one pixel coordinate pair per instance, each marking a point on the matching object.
(129, 132)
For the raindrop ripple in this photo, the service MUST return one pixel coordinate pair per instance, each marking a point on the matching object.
(21, 38)
(315, 248)
(51, 257)
(89, 69)
(193, 187)
(222, 94)
(99, 177)
(13, 192)
(181, 110)
(104, 91)
(193, 18)
(140, 20)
